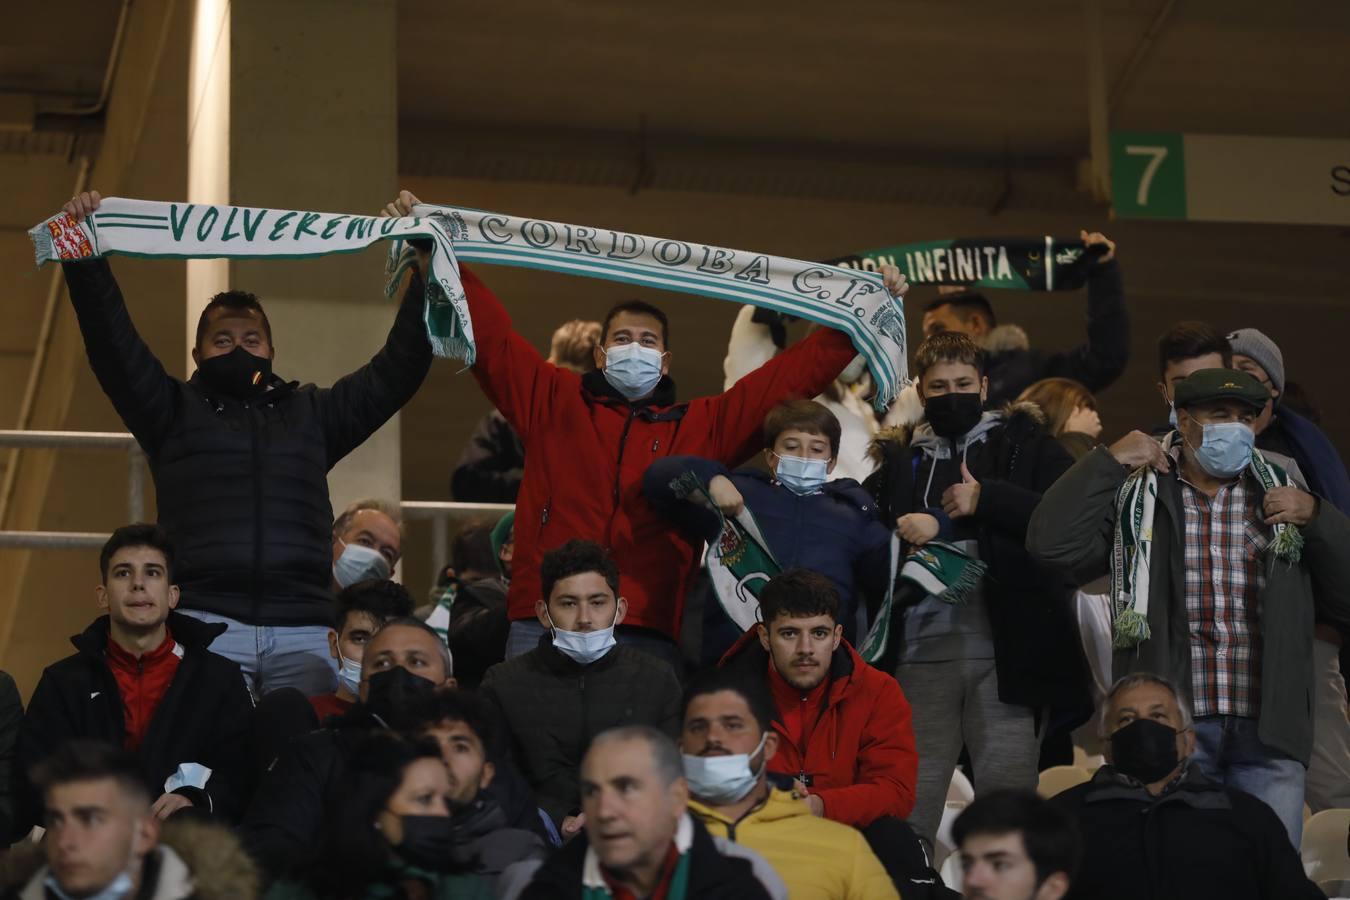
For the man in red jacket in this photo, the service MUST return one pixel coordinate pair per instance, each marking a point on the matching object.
(845, 743)
(598, 433)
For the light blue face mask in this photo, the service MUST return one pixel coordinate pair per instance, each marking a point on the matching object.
(584, 647)
(633, 370)
(359, 563)
(118, 890)
(1172, 416)
(801, 476)
(349, 674)
(722, 779)
(1226, 448)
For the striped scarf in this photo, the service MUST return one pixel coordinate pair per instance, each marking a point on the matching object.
(1132, 544)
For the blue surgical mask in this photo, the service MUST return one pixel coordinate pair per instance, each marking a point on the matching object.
(633, 370)
(1172, 416)
(584, 647)
(1226, 448)
(722, 779)
(801, 476)
(359, 563)
(349, 674)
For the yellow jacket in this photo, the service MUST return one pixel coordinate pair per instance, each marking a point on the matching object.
(817, 858)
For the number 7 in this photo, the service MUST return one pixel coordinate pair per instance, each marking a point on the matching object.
(1146, 181)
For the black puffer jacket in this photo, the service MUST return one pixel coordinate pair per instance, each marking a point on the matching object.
(243, 486)
(204, 717)
(553, 707)
(491, 465)
(1038, 655)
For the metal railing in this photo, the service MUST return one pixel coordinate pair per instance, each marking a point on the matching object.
(103, 440)
(440, 514)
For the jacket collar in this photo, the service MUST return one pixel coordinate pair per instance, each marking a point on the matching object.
(748, 656)
(599, 387)
(1190, 788)
(278, 390)
(560, 663)
(193, 634)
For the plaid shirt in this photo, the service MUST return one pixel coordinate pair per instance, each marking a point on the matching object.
(1225, 545)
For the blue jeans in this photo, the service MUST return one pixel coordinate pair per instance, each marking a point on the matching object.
(1228, 751)
(525, 633)
(276, 656)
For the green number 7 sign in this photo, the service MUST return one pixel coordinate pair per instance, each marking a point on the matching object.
(1148, 174)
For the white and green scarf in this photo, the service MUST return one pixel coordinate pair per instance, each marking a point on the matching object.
(1132, 544)
(938, 569)
(850, 300)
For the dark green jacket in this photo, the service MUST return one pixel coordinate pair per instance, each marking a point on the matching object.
(1073, 528)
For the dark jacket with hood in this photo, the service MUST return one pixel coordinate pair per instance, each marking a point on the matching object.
(485, 842)
(204, 717)
(860, 756)
(553, 707)
(1074, 528)
(834, 531)
(242, 485)
(712, 874)
(195, 860)
(1014, 366)
(1037, 651)
(1196, 839)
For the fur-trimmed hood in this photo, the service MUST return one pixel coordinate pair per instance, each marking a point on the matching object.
(1006, 337)
(217, 867)
(901, 436)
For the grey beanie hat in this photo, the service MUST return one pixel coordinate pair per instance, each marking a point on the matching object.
(1262, 350)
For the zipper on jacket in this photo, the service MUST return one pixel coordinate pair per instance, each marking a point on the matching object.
(618, 478)
(256, 587)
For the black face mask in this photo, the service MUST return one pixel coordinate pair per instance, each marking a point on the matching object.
(389, 692)
(952, 415)
(428, 842)
(237, 374)
(1145, 750)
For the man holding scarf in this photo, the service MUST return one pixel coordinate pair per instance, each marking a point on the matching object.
(597, 433)
(1217, 564)
(240, 459)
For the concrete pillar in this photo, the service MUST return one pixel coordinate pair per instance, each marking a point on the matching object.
(295, 106)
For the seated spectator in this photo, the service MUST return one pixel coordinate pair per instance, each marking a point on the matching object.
(1013, 365)
(728, 742)
(1282, 435)
(493, 462)
(1153, 825)
(1070, 413)
(388, 833)
(360, 611)
(1217, 584)
(577, 682)
(402, 661)
(367, 542)
(994, 648)
(144, 679)
(846, 745)
(471, 613)
(1016, 846)
(845, 541)
(483, 806)
(640, 840)
(104, 840)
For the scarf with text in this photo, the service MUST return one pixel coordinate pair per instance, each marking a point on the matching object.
(1025, 264)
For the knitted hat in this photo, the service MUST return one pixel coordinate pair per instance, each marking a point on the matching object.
(503, 530)
(1262, 350)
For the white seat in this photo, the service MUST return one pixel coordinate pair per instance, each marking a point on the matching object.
(951, 872)
(960, 790)
(1324, 852)
(1060, 778)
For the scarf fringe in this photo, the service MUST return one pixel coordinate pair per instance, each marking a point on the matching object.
(1130, 630)
(958, 593)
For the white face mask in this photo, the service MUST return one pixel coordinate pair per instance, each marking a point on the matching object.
(349, 673)
(633, 370)
(584, 647)
(722, 779)
(359, 563)
(119, 889)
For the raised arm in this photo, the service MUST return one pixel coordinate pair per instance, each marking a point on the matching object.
(131, 375)
(1100, 361)
(668, 488)
(1073, 526)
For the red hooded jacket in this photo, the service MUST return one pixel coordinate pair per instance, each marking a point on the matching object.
(586, 450)
(860, 753)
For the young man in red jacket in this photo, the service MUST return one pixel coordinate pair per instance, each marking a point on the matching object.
(845, 743)
(600, 431)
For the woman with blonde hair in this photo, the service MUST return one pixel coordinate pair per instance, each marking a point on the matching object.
(1070, 413)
